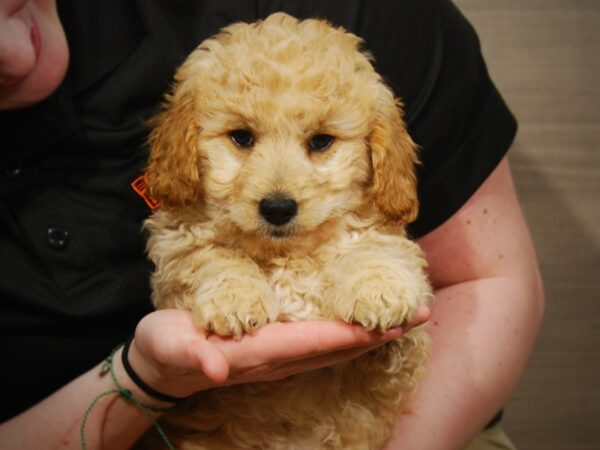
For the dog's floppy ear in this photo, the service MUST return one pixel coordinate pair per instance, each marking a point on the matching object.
(393, 158)
(174, 167)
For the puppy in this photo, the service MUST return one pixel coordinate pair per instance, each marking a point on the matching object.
(286, 177)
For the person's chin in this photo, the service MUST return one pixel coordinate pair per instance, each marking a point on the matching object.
(35, 87)
(52, 59)
(26, 92)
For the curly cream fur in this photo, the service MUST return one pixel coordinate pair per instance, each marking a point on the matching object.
(344, 255)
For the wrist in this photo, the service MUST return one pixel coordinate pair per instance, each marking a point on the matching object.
(139, 381)
(142, 378)
(125, 401)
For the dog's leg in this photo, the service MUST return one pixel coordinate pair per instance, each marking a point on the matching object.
(378, 285)
(232, 297)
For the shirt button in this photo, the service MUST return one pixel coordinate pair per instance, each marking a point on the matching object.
(12, 169)
(57, 237)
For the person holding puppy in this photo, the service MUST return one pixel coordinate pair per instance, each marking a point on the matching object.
(75, 275)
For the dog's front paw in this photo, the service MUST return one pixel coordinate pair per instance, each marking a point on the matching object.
(381, 302)
(234, 306)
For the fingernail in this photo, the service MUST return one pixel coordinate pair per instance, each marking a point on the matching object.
(393, 333)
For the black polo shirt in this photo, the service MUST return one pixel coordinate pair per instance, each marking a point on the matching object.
(73, 274)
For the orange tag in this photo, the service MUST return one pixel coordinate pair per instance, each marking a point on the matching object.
(140, 186)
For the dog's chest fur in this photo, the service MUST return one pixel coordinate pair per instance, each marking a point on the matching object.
(347, 406)
(298, 289)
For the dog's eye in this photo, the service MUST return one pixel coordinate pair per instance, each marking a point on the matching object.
(320, 142)
(242, 138)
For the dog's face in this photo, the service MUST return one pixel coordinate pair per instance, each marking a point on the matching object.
(280, 128)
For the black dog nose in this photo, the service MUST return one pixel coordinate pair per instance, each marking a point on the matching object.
(278, 210)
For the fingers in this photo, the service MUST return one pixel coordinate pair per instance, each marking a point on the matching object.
(294, 340)
(283, 368)
(173, 348)
(287, 341)
(280, 349)
(423, 315)
(288, 368)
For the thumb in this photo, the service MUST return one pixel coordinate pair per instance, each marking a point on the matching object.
(210, 360)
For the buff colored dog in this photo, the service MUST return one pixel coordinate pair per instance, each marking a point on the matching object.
(286, 177)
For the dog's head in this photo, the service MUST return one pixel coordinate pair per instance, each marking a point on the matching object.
(280, 127)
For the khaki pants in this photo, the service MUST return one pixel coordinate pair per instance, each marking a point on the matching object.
(494, 438)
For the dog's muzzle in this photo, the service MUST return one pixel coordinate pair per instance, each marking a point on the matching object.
(278, 210)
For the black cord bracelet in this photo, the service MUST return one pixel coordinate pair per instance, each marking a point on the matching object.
(140, 383)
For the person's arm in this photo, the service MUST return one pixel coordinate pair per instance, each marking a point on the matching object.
(173, 358)
(487, 310)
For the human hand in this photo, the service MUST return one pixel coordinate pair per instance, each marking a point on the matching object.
(173, 357)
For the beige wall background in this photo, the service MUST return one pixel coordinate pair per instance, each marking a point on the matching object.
(544, 56)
